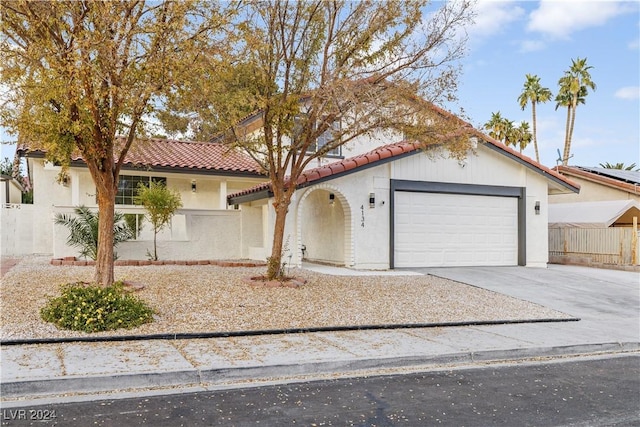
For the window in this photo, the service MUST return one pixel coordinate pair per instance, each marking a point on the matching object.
(324, 139)
(128, 187)
(134, 222)
(328, 137)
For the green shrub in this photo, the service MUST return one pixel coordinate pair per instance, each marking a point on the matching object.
(94, 309)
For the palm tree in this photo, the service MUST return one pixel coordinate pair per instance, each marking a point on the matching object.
(534, 92)
(574, 87)
(497, 126)
(565, 99)
(83, 230)
(524, 137)
(620, 166)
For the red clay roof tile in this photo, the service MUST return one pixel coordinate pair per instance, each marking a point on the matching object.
(388, 151)
(187, 155)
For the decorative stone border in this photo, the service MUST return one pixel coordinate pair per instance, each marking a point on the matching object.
(72, 261)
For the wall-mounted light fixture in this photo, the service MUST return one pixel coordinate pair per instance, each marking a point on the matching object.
(372, 200)
(332, 198)
(193, 185)
(537, 207)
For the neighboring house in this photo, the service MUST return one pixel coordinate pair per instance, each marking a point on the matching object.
(595, 227)
(397, 206)
(202, 173)
(10, 190)
(599, 184)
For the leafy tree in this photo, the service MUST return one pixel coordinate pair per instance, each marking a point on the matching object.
(533, 93)
(6, 167)
(620, 166)
(81, 73)
(83, 230)
(339, 70)
(160, 203)
(574, 87)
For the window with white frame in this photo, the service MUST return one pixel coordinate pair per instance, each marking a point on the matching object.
(325, 138)
(128, 187)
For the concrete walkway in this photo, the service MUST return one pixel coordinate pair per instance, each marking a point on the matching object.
(606, 301)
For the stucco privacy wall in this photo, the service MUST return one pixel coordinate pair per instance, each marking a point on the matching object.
(369, 228)
(200, 235)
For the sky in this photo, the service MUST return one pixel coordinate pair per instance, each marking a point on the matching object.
(513, 38)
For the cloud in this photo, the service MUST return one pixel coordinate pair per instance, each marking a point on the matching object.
(559, 19)
(531, 45)
(493, 17)
(628, 92)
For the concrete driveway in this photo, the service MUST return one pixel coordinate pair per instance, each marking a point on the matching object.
(606, 301)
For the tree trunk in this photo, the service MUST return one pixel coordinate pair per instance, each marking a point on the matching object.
(567, 139)
(535, 136)
(570, 135)
(155, 247)
(274, 270)
(106, 207)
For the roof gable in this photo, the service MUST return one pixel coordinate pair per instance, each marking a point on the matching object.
(383, 154)
(614, 178)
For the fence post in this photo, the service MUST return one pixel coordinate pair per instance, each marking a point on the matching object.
(634, 242)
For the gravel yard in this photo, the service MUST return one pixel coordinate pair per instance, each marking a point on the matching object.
(209, 298)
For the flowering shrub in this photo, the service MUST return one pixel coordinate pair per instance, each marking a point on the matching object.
(94, 309)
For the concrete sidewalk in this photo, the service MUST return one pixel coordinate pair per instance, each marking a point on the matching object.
(607, 302)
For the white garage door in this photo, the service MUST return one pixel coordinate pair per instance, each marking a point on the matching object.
(444, 230)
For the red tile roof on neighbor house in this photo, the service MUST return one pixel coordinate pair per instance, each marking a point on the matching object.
(396, 151)
(186, 155)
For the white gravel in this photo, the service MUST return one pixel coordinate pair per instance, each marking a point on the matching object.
(216, 299)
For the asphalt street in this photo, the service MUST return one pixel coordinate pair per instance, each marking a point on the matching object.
(592, 391)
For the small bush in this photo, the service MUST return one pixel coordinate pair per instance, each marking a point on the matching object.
(94, 309)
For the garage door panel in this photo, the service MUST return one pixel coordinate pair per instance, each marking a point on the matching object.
(454, 230)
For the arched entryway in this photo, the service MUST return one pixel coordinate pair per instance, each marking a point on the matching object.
(324, 226)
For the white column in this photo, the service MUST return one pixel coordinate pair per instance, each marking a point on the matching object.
(223, 195)
(75, 188)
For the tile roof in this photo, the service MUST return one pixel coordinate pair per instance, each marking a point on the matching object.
(393, 151)
(184, 155)
(622, 180)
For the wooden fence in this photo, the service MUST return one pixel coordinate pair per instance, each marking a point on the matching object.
(614, 245)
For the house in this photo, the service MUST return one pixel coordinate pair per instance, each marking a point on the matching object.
(10, 190)
(598, 226)
(202, 173)
(379, 203)
(397, 206)
(599, 184)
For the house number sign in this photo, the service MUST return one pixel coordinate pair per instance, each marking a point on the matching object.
(362, 216)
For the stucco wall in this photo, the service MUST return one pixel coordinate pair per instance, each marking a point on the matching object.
(197, 235)
(218, 238)
(322, 228)
(369, 227)
(592, 192)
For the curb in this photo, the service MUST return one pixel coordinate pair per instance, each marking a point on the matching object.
(205, 335)
(184, 378)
